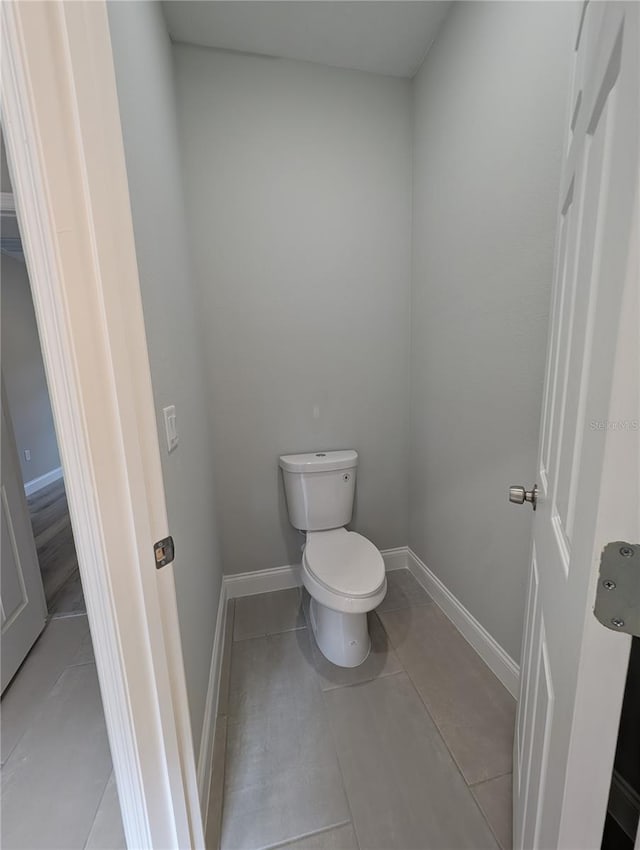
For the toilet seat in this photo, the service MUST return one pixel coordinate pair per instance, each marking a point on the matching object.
(343, 570)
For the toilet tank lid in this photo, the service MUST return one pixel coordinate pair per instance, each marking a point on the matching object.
(319, 461)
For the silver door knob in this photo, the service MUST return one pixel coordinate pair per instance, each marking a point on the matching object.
(518, 495)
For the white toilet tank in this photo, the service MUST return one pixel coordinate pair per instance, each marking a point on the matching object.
(319, 488)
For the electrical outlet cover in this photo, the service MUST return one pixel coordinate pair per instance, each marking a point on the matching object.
(170, 427)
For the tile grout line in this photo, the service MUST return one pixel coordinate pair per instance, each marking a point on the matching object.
(493, 832)
(95, 814)
(337, 757)
(436, 724)
(269, 634)
(288, 843)
(453, 758)
(66, 615)
(491, 779)
(42, 700)
(323, 697)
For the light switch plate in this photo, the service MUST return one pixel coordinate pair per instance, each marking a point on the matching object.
(170, 427)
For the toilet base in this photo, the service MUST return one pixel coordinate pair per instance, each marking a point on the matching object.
(342, 638)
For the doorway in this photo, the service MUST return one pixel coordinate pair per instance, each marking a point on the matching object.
(58, 788)
(29, 408)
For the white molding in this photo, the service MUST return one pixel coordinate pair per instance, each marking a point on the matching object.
(395, 559)
(262, 581)
(494, 656)
(207, 738)
(281, 578)
(42, 481)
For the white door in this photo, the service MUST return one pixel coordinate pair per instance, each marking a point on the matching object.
(573, 668)
(24, 609)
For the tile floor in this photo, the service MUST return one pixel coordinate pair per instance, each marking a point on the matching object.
(410, 750)
(57, 780)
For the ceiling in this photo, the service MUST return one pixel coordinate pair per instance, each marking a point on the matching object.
(382, 37)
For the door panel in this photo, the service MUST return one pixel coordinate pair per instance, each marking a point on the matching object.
(22, 598)
(12, 587)
(557, 805)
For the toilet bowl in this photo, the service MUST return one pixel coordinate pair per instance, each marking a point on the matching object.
(344, 574)
(342, 570)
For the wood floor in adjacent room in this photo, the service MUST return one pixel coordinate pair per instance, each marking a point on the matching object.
(56, 550)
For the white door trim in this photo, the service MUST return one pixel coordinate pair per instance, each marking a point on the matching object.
(61, 124)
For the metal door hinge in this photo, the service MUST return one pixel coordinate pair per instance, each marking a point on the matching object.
(618, 594)
(164, 550)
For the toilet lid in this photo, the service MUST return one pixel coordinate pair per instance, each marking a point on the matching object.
(345, 562)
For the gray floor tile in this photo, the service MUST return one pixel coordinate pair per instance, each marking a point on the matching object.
(54, 780)
(107, 832)
(291, 804)
(474, 712)
(282, 779)
(84, 655)
(216, 793)
(403, 591)
(265, 670)
(276, 736)
(495, 798)
(340, 838)
(382, 661)
(24, 698)
(268, 614)
(69, 599)
(404, 788)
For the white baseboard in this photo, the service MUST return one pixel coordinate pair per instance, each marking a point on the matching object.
(205, 754)
(494, 656)
(262, 581)
(395, 559)
(281, 578)
(42, 481)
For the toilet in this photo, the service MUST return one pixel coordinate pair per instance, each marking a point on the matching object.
(342, 570)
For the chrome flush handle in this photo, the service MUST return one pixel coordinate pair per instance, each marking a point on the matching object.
(518, 495)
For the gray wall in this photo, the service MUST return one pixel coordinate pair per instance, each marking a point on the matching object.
(24, 375)
(489, 117)
(298, 187)
(144, 72)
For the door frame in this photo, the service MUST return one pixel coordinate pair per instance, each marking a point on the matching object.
(61, 123)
